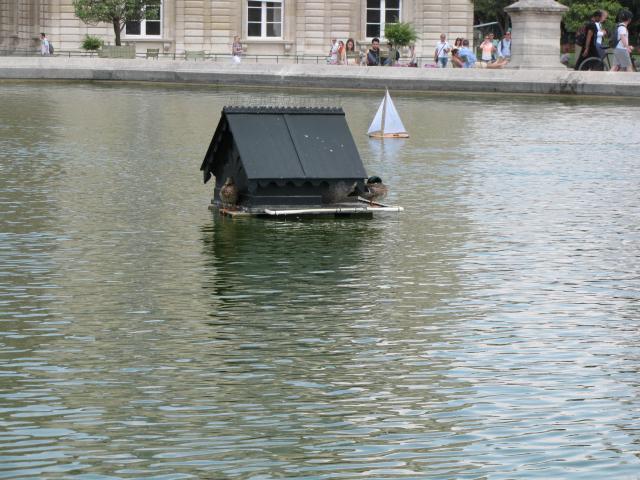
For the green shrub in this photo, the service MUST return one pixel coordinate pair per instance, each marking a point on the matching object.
(400, 34)
(92, 43)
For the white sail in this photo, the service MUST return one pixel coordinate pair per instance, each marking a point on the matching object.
(387, 121)
(376, 125)
(392, 122)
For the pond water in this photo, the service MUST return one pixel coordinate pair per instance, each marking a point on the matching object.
(492, 330)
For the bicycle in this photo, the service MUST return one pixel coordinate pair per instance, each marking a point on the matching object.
(602, 64)
(598, 64)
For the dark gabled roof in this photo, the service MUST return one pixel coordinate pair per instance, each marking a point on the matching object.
(288, 143)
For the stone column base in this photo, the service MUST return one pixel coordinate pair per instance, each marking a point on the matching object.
(536, 34)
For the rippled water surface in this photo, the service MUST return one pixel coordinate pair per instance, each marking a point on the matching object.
(492, 330)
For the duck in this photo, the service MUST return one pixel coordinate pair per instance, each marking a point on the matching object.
(375, 189)
(338, 192)
(229, 193)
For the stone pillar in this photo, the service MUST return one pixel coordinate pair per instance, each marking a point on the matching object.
(536, 34)
(169, 26)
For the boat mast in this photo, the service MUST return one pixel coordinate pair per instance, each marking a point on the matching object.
(384, 110)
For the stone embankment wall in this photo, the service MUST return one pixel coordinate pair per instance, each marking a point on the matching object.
(320, 76)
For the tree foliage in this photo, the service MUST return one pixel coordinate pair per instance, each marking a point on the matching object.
(581, 11)
(486, 11)
(115, 12)
(613, 7)
(400, 34)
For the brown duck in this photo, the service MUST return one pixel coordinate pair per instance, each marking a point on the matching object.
(338, 192)
(375, 189)
(229, 193)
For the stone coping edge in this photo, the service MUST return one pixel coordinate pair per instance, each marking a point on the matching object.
(520, 81)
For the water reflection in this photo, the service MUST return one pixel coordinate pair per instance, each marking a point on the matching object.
(314, 351)
(488, 331)
(274, 263)
(386, 148)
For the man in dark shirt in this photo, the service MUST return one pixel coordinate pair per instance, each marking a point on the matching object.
(589, 48)
(373, 55)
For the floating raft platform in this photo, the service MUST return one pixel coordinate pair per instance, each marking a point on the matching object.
(363, 208)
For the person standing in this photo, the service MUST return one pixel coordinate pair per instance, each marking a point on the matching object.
(44, 45)
(236, 50)
(504, 46)
(622, 52)
(600, 34)
(441, 54)
(495, 42)
(342, 53)
(591, 32)
(333, 51)
(487, 49)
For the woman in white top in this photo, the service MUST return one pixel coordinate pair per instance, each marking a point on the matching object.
(333, 52)
(487, 49)
(236, 50)
(601, 33)
(622, 58)
(342, 53)
(441, 53)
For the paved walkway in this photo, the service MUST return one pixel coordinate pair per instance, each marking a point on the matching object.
(323, 76)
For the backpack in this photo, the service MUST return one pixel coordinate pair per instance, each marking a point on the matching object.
(614, 39)
(50, 48)
(581, 35)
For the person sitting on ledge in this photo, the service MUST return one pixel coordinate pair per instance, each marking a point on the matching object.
(456, 61)
(467, 55)
(500, 63)
(353, 56)
(373, 55)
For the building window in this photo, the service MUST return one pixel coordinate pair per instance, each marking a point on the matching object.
(379, 13)
(151, 26)
(264, 19)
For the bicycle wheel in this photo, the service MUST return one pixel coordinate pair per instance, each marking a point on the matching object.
(592, 63)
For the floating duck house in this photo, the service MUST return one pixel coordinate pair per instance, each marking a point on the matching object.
(286, 161)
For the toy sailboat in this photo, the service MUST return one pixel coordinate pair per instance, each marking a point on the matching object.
(387, 123)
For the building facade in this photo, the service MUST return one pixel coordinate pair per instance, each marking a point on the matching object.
(275, 27)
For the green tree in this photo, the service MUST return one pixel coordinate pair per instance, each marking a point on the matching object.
(634, 7)
(486, 11)
(581, 11)
(115, 12)
(399, 34)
